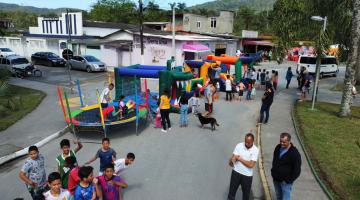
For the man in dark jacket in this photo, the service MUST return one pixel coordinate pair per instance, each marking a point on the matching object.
(267, 100)
(286, 167)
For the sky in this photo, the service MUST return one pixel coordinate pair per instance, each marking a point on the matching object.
(86, 4)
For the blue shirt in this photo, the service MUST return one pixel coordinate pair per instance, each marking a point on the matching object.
(105, 157)
(82, 193)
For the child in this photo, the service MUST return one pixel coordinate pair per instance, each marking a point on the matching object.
(194, 102)
(183, 102)
(106, 154)
(73, 175)
(217, 90)
(241, 90)
(228, 88)
(66, 152)
(249, 89)
(56, 192)
(253, 91)
(33, 173)
(158, 117)
(123, 163)
(86, 189)
(258, 75)
(110, 184)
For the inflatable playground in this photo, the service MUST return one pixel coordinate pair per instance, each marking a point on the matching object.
(132, 83)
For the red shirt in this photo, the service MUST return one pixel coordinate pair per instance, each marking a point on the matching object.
(73, 180)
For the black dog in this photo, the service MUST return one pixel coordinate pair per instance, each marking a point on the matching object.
(207, 120)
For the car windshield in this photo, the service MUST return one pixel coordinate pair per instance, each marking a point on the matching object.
(91, 59)
(308, 60)
(328, 61)
(18, 61)
(52, 55)
(5, 50)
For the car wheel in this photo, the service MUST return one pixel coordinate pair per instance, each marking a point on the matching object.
(321, 76)
(88, 69)
(334, 75)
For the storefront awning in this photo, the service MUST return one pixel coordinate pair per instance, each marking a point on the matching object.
(195, 47)
(258, 43)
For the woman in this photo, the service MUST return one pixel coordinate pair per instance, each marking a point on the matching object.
(165, 110)
(289, 75)
(183, 102)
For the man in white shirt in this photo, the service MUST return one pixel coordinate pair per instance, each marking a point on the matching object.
(105, 95)
(243, 161)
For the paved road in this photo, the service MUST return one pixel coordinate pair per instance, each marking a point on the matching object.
(186, 163)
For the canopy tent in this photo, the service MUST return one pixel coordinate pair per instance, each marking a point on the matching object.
(195, 47)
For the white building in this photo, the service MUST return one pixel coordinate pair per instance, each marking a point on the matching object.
(116, 44)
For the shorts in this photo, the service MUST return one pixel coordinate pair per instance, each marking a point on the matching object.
(208, 107)
(241, 93)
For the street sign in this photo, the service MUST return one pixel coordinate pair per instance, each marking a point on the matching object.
(67, 54)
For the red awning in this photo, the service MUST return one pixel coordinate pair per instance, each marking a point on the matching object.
(258, 43)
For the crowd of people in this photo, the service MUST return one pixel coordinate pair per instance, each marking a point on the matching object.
(72, 181)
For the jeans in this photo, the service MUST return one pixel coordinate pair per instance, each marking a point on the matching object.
(165, 118)
(283, 190)
(248, 95)
(239, 179)
(264, 109)
(37, 194)
(183, 115)
(228, 93)
(288, 83)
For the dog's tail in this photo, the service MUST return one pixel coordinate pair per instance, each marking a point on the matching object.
(216, 123)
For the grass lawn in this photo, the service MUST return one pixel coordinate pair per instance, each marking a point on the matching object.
(30, 99)
(340, 87)
(333, 144)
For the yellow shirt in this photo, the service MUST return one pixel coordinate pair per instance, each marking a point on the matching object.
(165, 102)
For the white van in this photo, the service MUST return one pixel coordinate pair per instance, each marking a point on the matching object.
(328, 66)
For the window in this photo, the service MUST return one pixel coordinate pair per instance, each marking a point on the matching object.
(213, 22)
(198, 24)
(2, 41)
(14, 42)
(36, 44)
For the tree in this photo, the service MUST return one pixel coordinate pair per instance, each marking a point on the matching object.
(181, 8)
(346, 100)
(154, 13)
(114, 11)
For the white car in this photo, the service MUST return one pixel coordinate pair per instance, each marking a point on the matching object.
(4, 52)
(328, 66)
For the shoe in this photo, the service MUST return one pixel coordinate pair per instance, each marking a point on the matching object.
(169, 129)
(164, 131)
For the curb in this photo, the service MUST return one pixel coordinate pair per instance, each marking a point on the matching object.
(263, 179)
(24, 151)
(313, 171)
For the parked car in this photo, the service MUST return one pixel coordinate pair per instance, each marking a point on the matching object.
(88, 63)
(6, 52)
(328, 66)
(47, 58)
(18, 65)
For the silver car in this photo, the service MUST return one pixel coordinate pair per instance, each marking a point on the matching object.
(88, 63)
(15, 62)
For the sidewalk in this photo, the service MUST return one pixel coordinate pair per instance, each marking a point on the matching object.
(46, 119)
(305, 187)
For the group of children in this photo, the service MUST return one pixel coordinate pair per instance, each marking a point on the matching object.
(74, 182)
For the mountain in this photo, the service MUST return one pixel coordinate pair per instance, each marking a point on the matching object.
(30, 9)
(258, 5)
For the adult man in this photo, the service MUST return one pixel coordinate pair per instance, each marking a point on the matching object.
(286, 167)
(105, 95)
(243, 161)
(267, 100)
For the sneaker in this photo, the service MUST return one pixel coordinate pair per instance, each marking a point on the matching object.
(169, 129)
(163, 130)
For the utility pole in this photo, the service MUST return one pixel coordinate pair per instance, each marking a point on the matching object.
(67, 52)
(141, 17)
(173, 31)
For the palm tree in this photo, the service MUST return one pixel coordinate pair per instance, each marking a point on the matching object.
(351, 62)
